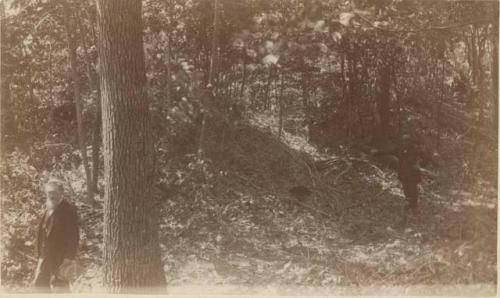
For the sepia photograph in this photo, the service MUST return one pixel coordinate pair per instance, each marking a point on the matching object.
(249, 147)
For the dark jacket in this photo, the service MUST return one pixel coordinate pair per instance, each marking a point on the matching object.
(58, 235)
(408, 164)
(409, 156)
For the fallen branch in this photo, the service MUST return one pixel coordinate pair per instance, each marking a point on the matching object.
(366, 161)
(349, 166)
(463, 135)
(248, 180)
(419, 30)
(53, 145)
(380, 193)
(332, 168)
(309, 207)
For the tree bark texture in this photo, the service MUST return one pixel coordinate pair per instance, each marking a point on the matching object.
(132, 259)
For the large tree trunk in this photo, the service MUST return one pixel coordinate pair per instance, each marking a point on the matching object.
(78, 103)
(132, 259)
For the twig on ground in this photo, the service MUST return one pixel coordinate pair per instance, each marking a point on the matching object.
(53, 145)
(464, 134)
(349, 166)
(309, 207)
(380, 193)
(248, 180)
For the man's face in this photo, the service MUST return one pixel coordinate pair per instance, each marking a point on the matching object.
(53, 196)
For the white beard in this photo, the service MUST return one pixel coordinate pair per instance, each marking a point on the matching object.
(50, 206)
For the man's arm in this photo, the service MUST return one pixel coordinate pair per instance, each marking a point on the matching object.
(67, 270)
(39, 236)
(72, 236)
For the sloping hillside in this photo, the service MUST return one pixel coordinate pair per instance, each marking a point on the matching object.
(263, 214)
(238, 223)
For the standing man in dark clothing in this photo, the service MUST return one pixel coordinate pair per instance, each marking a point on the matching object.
(409, 173)
(57, 242)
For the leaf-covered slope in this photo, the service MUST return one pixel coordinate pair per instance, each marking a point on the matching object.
(233, 221)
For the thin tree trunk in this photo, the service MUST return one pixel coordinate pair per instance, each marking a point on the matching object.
(342, 71)
(494, 72)
(96, 141)
(8, 124)
(480, 76)
(96, 129)
(78, 102)
(228, 80)
(364, 114)
(268, 86)
(168, 55)
(244, 78)
(29, 80)
(212, 89)
(51, 94)
(305, 104)
(281, 104)
(132, 258)
(398, 92)
(350, 66)
(383, 100)
(439, 107)
(169, 70)
(473, 54)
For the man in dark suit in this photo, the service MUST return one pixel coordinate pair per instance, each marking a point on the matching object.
(57, 241)
(409, 173)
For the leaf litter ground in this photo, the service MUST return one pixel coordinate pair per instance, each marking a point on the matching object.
(245, 233)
